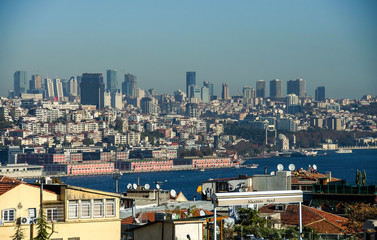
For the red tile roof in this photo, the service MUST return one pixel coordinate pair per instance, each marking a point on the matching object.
(7, 184)
(321, 221)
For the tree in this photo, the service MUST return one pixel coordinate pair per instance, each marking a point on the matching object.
(19, 234)
(357, 215)
(42, 226)
(87, 141)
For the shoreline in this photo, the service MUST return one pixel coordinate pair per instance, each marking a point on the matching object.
(178, 168)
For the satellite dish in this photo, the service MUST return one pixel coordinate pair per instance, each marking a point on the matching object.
(314, 167)
(129, 186)
(146, 186)
(173, 193)
(280, 167)
(292, 167)
(240, 190)
(202, 213)
(204, 192)
(231, 187)
(157, 186)
(272, 173)
(134, 185)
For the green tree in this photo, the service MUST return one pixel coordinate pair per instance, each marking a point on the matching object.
(42, 226)
(87, 141)
(19, 234)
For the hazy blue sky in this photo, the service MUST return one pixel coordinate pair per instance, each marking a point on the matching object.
(325, 42)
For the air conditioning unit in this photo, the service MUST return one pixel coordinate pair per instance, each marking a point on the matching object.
(25, 220)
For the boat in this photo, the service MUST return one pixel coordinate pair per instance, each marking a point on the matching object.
(252, 165)
(202, 169)
(342, 150)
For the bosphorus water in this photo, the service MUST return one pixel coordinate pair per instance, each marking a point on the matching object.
(342, 166)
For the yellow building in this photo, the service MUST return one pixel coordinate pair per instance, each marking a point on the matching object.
(73, 213)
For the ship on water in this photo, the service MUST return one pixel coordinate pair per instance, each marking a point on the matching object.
(342, 150)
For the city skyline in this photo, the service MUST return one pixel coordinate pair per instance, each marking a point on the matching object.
(325, 43)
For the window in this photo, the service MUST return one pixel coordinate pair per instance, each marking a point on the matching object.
(9, 215)
(73, 209)
(52, 214)
(98, 208)
(86, 209)
(32, 213)
(110, 208)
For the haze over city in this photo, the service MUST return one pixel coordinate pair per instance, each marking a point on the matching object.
(329, 43)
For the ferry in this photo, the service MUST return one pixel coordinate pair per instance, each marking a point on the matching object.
(341, 150)
(255, 165)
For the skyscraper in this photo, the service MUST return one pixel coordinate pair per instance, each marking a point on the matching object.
(92, 89)
(261, 88)
(320, 94)
(246, 92)
(190, 80)
(35, 82)
(112, 80)
(49, 86)
(20, 83)
(205, 94)
(225, 92)
(210, 87)
(275, 88)
(129, 85)
(297, 87)
(73, 87)
(58, 88)
(195, 92)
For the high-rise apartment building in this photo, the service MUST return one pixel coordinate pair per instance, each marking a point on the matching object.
(297, 87)
(112, 80)
(49, 86)
(320, 94)
(20, 83)
(92, 89)
(190, 80)
(116, 99)
(225, 92)
(275, 88)
(73, 87)
(58, 88)
(261, 89)
(129, 86)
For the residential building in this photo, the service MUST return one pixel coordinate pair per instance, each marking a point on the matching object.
(116, 100)
(73, 87)
(69, 210)
(225, 92)
(261, 89)
(275, 88)
(297, 87)
(320, 94)
(58, 88)
(49, 86)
